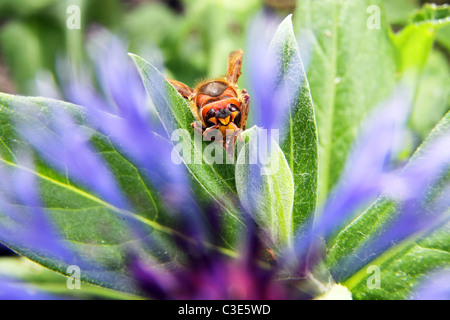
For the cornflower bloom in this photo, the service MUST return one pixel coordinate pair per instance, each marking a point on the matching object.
(187, 260)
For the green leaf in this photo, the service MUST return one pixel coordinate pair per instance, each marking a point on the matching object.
(299, 142)
(364, 228)
(92, 227)
(36, 51)
(26, 60)
(216, 178)
(443, 38)
(9, 8)
(404, 267)
(351, 69)
(372, 222)
(412, 46)
(413, 43)
(398, 11)
(432, 14)
(419, 65)
(151, 16)
(266, 187)
(433, 93)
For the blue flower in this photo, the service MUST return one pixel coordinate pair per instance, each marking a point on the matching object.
(121, 111)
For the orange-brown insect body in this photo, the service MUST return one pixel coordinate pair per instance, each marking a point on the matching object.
(219, 104)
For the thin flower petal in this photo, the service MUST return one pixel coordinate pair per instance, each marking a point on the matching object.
(272, 93)
(25, 223)
(66, 145)
(435, 287)
(16, 290)
(368, 167)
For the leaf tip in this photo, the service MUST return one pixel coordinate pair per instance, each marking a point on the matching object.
(288, 19)
(135, 57)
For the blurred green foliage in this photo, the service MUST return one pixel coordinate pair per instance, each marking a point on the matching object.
(194, 42)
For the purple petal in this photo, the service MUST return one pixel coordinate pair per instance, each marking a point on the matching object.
(271, 94)
(119, 79)
(367, 170)
(435, 287)
(26, 225)
(124, 116)
(419, 210)
(417, 215)
(16, 290)
(66, 145)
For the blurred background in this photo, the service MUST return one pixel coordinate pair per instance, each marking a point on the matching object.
(189, 40)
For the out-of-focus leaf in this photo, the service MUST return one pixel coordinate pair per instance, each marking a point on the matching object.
(36, 50)
(428, 76)
(433, 93)
(414, 42)
(443, 37)
(104, 12)
(398, 11)
(191, 45)
(413, 45)
(266, 187)
(152, 16)
(351, 69)
(219, 33)
(9, 8)
(24, 57)
(433, 14)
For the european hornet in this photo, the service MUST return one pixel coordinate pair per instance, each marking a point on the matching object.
(218, 104)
